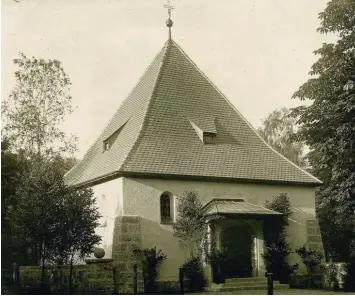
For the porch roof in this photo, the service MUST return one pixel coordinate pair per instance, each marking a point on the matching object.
(235, 206)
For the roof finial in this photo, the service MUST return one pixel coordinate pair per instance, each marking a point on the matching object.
(169, 22)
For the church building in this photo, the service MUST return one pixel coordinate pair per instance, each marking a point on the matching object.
(177, 132)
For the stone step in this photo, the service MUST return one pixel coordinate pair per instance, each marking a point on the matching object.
(249, 284)
(253, 287)
(247, 280)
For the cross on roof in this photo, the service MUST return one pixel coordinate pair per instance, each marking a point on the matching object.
(169, 7)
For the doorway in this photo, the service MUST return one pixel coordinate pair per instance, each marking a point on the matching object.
(237, 239)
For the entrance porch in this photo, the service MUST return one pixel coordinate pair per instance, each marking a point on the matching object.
(237, 228)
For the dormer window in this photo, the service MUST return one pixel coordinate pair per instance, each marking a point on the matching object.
(106, 145)
(205, 128)
(108, 142)
(209, 138)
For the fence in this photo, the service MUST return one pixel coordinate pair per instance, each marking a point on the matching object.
(98, 276)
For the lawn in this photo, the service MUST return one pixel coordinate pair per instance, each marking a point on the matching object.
(280, 292)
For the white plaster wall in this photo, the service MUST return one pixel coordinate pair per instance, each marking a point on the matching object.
(141, 197)
(109, 200)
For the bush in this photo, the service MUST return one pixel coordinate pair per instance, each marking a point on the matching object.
(151, 258)
(275, 257)
(194, 272)
(216, 260)
(276, 248)
(311, 259)
(302, 281)
(168, 288)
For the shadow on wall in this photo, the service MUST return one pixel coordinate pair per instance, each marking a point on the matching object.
(297, 233)
(161, 236)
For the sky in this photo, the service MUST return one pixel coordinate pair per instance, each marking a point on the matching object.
(257, 52)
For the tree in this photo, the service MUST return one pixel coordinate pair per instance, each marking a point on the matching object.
(328, 127)
(13, 166)
(37, 106)
(151, 258)
(311, 259)
(276, 248)
(279, 130)
(190, 226)
(32, 219)
(78, 217)
(55, 222)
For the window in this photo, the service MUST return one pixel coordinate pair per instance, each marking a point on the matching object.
(166, 203)
(209, 138)
(106, 145)
(111, 139)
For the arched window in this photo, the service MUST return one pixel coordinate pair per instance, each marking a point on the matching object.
(166, 208)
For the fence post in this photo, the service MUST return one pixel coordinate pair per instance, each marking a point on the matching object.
(145, 290)
(115, 283)
(16, 274)
(135, 279)
(181, 280)
(270, 284)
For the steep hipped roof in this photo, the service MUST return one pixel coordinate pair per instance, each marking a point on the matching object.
(154, 133)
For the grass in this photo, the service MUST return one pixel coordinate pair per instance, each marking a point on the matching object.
(280, 292)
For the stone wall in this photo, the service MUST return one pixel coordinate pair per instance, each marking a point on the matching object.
(314, 238)
(95, 277)
(127, 238)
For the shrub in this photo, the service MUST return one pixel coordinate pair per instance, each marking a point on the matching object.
(193, 270)
(216, 259)
(190, 227)
(301, 281)
(311, 259)
(276, 249)
(275, 257)
(280, 203)
(151, 258)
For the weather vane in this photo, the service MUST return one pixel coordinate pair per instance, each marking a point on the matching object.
(169, 22)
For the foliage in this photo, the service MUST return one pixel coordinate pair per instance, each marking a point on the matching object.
(279, 131)
(280, 203)
(276, 248)
(193, 270)
(151, 258)
(216, 259)
(77, 217)
(37, 107)
(302, 281)
(275, 257)
(53, 221)
(16, 167)
(310, 258)
(327, 126)
(217, 256)
(13, 166)
(190, 226)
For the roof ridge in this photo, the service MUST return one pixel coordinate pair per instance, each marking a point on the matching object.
(265, 208)
(92, 146)
(136, 142)
(236, 110)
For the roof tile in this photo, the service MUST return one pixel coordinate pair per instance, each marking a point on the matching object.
(158, 137)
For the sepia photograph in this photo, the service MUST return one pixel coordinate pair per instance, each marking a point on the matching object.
(170, 147)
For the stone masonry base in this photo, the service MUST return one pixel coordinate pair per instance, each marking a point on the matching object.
(127, 238)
